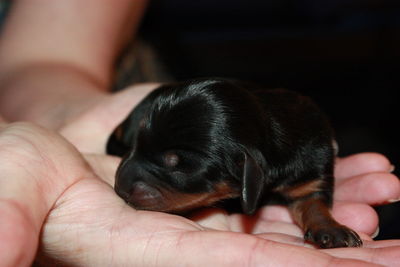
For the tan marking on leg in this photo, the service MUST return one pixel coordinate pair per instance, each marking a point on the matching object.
(310, 213)
(301, 190)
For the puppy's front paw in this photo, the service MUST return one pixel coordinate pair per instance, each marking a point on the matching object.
(333, 237)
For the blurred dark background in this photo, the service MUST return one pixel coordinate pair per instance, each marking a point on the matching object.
(343, 53)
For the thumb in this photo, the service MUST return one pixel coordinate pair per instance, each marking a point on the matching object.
(37, 167)
(104, 166)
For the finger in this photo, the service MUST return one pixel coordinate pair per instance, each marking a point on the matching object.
(361, 163)
(371, 188)
(359, 217)
(275, 213)
(298, 240)
(272, 230)
(285, 239)
(218, 219)
(244, 250)
(366, 222)
(103, 118)
(256, 224)
(213, 218)
(382, 243)
(123, 102)
(114, 108)
(386, 256)
(262, 227)
(105, 167)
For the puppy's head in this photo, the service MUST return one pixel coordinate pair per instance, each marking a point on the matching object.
(190, 145)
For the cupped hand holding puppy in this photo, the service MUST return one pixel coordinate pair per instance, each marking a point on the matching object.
(361, 180)
(50, 196)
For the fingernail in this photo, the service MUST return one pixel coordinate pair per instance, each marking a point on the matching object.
(392, 168)
(376, 233)
(393, 200)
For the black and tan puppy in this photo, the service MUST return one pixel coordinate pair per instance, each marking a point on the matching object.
(189, 145)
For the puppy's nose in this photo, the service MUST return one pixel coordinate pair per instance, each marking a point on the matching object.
(144, 196)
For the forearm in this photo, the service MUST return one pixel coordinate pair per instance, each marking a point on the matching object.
(55, 54)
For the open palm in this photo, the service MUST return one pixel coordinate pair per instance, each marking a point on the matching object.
(90, 226)
(362, 180)
(358, 177)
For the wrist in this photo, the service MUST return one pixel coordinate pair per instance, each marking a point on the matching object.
(48, 95)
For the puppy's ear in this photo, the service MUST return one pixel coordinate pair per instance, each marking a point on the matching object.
(253, 183)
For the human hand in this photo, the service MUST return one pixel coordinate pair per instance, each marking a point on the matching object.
(366, 163)
(89, 132)
(88, 225)
(90, 129)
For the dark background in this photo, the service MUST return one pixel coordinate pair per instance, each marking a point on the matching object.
(343, 53)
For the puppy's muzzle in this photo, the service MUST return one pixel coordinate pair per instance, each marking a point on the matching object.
(141, 195)
(144, 195)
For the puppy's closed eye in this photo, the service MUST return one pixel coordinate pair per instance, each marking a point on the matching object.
(170, 159)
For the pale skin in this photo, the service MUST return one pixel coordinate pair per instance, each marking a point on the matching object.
(65, 187)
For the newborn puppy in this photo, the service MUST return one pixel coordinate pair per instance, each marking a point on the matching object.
(189, 145)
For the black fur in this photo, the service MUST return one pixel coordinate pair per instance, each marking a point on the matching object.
(218, 131)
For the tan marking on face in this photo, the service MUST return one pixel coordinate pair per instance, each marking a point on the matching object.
(180, 202)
